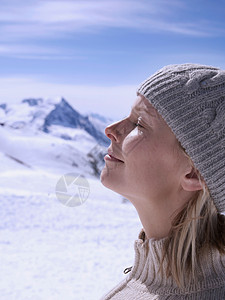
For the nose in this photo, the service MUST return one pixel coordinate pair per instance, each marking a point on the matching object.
(115, 131)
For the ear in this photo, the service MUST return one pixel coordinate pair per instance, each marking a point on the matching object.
(191, 181)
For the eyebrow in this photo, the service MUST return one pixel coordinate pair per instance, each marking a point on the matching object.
(150, 112)
(141, 109)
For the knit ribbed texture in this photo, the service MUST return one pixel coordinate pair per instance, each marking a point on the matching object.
(143, 284)
(191, 99)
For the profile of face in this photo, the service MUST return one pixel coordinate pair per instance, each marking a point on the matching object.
(150, 164)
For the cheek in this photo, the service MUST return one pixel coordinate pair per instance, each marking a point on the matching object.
(133, 143)
(151, 158)
(139, 158)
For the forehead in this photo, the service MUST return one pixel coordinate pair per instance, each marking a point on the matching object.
(143, 106)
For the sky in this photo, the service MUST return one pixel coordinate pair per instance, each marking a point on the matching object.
(95, 53)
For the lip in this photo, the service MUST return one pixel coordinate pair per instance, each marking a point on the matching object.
(112, 157)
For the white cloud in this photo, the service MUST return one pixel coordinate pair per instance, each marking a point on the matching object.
(28, 51)
(111, 101)
(42, 19)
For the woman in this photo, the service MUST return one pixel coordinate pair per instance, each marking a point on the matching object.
(168, 158)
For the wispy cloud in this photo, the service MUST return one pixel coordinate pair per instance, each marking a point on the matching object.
(51, 19)
(39, 21)
(27, 51)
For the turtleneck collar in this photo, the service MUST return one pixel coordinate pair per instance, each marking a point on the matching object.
(145, 277)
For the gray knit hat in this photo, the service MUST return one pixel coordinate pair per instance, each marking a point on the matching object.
(191, 99)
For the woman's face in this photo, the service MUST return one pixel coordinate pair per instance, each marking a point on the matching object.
(150, 160)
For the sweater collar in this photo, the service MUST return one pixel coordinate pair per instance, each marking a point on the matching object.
(145, 275)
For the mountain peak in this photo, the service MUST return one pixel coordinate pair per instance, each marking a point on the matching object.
(65, 115)
(3, 106)
(63, 100)
(32, 101)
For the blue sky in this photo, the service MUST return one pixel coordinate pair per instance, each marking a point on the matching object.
(96, 52)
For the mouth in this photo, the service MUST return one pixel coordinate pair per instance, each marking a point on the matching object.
(114, 158)
(111, 157)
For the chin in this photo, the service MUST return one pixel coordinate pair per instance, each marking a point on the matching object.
(103, 175)
(105, 180)
(110, 182)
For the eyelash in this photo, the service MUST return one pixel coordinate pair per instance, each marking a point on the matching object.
(138, 125)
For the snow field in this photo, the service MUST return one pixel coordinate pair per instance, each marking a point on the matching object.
(49, 251)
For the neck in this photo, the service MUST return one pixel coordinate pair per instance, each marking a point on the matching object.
(155, 223)
(156, 215)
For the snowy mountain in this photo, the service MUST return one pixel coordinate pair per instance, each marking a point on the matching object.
(64, 115)
(50, 250)
(51, 133)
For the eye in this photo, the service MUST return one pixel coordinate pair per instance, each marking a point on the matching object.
(138, 124)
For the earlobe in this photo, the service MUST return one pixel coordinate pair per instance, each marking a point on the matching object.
(191, 181)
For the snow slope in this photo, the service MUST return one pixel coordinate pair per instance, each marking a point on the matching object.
(50, 251)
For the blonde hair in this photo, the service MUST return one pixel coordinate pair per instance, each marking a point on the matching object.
(196, 228)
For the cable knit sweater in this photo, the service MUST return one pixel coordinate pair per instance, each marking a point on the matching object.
(142, 283)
